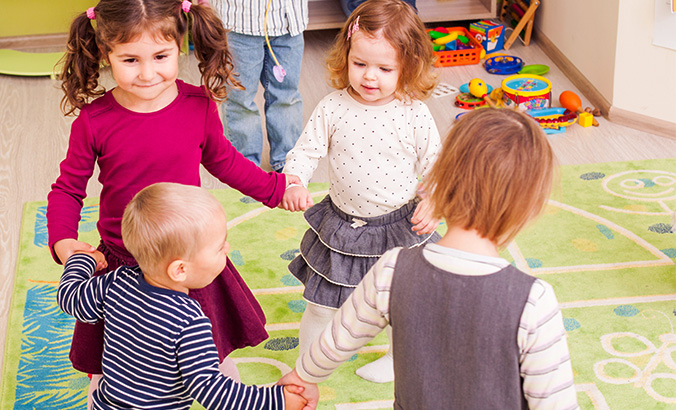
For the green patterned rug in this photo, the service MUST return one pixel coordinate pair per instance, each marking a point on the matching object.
(604, 243)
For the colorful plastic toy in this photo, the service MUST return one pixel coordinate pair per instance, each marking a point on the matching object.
(553, 120)
(503, 64)
(571, 101)
(490, 34)
(467, 101)
(456, 52)
(497, 95)
(479, 89)
(537, 69)
(585, 119)
(527, 91)
(465, 88)
(446, 38)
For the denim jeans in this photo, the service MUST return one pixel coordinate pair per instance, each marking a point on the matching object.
(283, 103)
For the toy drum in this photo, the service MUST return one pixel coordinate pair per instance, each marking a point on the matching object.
(527, 91)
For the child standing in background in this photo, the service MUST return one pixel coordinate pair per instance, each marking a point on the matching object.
(470, 331)
(251, 23)
(151, 128)
(159, 352)
(379, 138)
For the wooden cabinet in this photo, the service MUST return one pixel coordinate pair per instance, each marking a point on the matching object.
(325, 14)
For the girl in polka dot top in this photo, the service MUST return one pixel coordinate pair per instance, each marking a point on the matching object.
(379, 139)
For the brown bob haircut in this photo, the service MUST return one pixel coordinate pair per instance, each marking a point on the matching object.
(399, 24)
(493, 175)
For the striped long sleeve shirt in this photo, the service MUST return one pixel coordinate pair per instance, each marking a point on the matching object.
(544, 362)
(158, 352)
(248, 16)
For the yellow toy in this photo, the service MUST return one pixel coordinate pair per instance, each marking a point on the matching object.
(446, 39)
(585, 119)
(479, 89)
(497, 96)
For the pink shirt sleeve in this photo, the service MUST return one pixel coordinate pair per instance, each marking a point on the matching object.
(224, 162)
(64, 202)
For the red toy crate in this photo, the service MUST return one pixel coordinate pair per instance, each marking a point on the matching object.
(459, 57)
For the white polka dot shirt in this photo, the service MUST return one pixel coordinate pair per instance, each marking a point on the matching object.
(375, 153)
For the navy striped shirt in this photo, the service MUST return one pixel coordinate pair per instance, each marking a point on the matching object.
(158, 349)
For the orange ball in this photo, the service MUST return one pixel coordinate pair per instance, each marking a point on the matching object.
(570, 101)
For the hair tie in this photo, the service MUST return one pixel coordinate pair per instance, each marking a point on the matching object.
(91, 14)
(354, 28)
(185, 5)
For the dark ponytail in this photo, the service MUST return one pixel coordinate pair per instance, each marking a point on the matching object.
(81, 63)
(211, 49)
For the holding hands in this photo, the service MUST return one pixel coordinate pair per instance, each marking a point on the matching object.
(296, 197)
(294, 386)
(65, 248)
(423, 219)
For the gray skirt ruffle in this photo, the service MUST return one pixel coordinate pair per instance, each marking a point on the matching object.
(338, 249)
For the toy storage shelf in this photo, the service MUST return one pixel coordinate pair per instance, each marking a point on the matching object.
(325, 14)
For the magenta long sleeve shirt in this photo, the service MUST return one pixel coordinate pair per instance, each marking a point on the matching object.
(134, 150)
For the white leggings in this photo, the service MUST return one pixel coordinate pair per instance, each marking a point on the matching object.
(314, 320)
(312, 324)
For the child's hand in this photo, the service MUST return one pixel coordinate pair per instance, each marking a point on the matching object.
(293, 400)
(309, 392)
(296, 198)
(101, 262)
(423, 220)
(292, 179)
(65, 248)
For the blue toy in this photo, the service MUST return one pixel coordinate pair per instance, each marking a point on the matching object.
(465, 88)
(553, 120)
(503, 64)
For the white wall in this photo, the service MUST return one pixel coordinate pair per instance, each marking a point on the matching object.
(645, 74)
(610, 42)
(586, 33)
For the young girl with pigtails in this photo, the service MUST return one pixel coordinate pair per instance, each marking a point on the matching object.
(379, 138)
(152, 127)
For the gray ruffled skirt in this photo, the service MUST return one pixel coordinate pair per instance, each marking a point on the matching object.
(338, 249)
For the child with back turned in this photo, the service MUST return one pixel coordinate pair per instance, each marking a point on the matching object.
(379, 137)
(158, 350)
(470, 331)
(152, 127)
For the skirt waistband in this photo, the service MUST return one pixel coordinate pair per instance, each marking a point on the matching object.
(385, 219)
